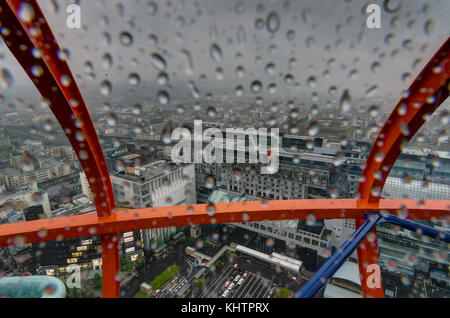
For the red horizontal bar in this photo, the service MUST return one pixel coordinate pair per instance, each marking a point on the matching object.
(127, 220)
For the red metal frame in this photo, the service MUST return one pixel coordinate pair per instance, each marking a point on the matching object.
(424, 96)
(70, 110)
(252, 211)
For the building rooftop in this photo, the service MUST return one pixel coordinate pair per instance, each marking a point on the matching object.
(221, 195)
(396, 188)
(149, 172)
(131, 156)
(315, 229)
(200, 272)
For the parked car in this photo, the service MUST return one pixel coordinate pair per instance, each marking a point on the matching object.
(227, 283)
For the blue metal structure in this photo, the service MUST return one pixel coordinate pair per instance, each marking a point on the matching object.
(320, 278)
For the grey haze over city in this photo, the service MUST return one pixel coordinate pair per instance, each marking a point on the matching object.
(218, 46)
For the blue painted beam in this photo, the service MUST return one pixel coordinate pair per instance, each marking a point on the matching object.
(417, 227)
(327, 270)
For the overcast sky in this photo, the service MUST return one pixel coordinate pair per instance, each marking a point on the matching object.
(312, 33)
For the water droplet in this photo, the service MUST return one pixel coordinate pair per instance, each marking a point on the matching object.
(290, 35)
(311, 219)
(211, 111)
(379, 156)
(346, 102)
(190, 63)
(374, 111)
(107, 61)
(239, 91)
(402, 109)
(273, 22)
(105, 88)
(163, 97)
(374, 67)
(6, 78)
(240, 71)
(111, 119)
(428, 26)
(26, 12)
(370, 92)
(37, 53)
(37, 70)
(211, 209)
(106, 39)
(158, 61)
(311, 81)
(210, 182)
(216, 52)
(288, 79)
(152, 8)
(313, 129)
(63, 54)
(270, 69)
(339, 159)
(65, 80)
(137, 109)
(194, 90)
(134, 79)
(256, 86)
(163, 78)
(219, 74)
(125, 38)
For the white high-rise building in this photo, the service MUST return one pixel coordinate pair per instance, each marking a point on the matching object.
(160, 183)
(85, 189)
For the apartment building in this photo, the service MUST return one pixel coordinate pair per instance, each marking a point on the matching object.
(157, 184)
(315, 168)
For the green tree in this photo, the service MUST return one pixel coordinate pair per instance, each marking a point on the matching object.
(284, 293)
(192, 240)
(98, 281)
(140, 262)
(219, 263)
(198, 283)
(141, 294)
(122, 261)
(125, 265)
(164, 276)
(166, 237)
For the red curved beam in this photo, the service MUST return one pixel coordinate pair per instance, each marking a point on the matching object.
(34, 46)
(55, 82)
(424, 96)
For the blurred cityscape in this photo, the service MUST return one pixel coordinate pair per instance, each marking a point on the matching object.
(326, 134)
(41, 178)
